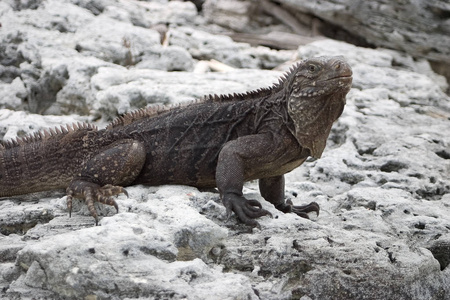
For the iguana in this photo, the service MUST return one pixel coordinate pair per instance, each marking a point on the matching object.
(218, 141)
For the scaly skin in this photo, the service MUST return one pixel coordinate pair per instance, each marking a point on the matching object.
(219, 141)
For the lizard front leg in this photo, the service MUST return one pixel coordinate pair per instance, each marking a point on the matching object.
(105, 173)
(272, 189)
(237, 159)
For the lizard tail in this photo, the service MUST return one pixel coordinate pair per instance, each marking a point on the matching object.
(45, 160)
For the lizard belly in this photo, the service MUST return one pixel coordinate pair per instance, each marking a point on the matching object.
(276, 171)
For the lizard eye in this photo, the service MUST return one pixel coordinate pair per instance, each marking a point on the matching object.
(312, 68)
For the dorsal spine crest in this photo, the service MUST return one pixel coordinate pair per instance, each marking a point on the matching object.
(155, 110)
(45, 134)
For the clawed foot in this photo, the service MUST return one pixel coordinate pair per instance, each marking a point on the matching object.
(91, 193)
(301, 211)
(246, 210)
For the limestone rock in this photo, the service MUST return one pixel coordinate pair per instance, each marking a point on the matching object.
(118, 90)
(51, 53)
(418, 28)
(382, 184)
(205, 46)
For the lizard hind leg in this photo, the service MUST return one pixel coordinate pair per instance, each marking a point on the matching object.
(105, 174)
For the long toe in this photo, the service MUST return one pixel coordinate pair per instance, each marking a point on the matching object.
(303, 210)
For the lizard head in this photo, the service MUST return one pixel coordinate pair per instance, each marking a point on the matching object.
(321, 76)
(316, 98)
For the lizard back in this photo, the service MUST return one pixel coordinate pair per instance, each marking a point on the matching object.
(183, 143)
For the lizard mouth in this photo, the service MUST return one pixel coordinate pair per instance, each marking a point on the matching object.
(349, 77)
(341, 81)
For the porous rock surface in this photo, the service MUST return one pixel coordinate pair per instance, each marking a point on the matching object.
(420, 28)
(383, 183)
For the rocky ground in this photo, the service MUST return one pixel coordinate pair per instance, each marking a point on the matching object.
(383, 183)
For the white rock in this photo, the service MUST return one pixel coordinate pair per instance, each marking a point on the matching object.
(120, 90)
(382, 184)
(205, 46)
(140, 256)
(12, 95)
(114, 41)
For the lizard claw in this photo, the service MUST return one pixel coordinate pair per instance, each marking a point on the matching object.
(229, 210)
(92, 193)
(301, 210)
(252, 202)
(255, 206)
(246, 210)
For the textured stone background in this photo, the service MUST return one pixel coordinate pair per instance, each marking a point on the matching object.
(383, 182)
